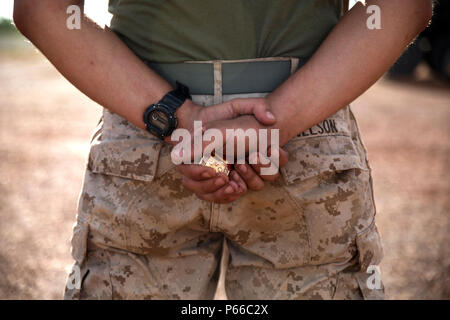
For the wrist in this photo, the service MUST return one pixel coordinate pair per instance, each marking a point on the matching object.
(187, 114)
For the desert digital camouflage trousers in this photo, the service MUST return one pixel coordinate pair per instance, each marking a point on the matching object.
(310, 234)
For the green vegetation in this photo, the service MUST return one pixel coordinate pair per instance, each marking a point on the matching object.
(7, 27)
(12, 42)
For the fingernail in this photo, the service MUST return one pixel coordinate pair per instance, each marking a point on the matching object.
(243, 168)
(229, 190)
(206, 175)
(219, 182)
(270, 115)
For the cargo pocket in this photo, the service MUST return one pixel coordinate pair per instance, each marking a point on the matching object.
(362, 279)
(128, 192)
(370, 253)
(328, 178)
(133, 190)
(135, 158)
(79, 270)
(121, 149)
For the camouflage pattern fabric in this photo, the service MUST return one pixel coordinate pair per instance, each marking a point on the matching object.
(310, 234)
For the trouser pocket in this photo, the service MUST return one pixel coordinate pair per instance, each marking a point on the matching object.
(133, 194)
(364, 280)
(78, 271)
(370, 253)
(328, 178)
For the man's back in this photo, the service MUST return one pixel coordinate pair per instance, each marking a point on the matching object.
(179, 30)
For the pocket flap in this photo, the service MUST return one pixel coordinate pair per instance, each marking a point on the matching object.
(135, 158)
(79, 241)
(331, 145)
(313, 156)
(369, 247)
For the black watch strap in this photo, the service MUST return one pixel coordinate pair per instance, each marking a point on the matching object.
(174, 99)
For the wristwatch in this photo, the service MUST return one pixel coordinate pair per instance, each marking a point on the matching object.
(159, 118)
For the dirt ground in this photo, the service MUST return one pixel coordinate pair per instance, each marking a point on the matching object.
(45, 126)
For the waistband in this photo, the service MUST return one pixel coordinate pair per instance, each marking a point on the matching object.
(220, 77)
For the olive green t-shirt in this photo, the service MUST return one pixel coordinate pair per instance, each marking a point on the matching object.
(169, 31)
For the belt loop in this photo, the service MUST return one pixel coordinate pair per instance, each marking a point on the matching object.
(294, 64)
(217, 82)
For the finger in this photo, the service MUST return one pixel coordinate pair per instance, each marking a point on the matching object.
(205, 186)
(236, 107)
(279, 157)
(256, 159)
(251, 178)
(196, 145)
(257, 107)
(196, 172)
(200, 143)
(284, 157)
(228, 193)
(237, 179)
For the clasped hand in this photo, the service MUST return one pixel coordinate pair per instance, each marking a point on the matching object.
(234, 114)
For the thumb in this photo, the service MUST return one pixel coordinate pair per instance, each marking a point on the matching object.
(257, 107)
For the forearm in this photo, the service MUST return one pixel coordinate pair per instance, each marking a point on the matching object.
(95, 60)
(348, 62)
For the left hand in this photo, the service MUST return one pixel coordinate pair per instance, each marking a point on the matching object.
(219, 188)
(211, 186)
(245, 176)
(251, 173)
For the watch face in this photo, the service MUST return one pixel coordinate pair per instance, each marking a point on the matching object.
(159, 119)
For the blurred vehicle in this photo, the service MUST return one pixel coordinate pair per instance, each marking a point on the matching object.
(432, 46)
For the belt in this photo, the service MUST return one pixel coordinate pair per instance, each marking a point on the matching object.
(229, 76)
